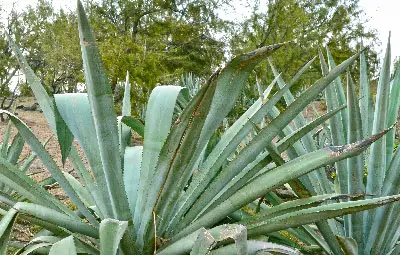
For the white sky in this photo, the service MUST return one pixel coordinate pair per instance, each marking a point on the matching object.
(381, 15)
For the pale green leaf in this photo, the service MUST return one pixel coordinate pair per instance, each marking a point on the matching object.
(111, 232)
(6, 225)
(104, 117)
(64, 135)
(65, 246)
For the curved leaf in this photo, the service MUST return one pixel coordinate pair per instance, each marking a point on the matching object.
(77, 104)
(278, 176)
(50, 164)
(65, 246)
(111, 232)
(6, 225)
(104, 117)
(132, 165)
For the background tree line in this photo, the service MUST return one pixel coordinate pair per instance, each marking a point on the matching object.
(159, 41)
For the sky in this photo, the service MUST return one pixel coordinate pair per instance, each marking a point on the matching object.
(380, 15)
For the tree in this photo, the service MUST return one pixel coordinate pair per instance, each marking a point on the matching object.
(8, 66)
(309, 24)
(157, 41)
(50, 42)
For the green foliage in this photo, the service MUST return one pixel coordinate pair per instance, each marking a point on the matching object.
(170, 196)
(308, 24)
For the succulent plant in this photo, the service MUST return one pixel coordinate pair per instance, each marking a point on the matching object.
(169, 196)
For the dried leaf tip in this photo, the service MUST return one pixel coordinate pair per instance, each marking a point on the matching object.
(359, 146)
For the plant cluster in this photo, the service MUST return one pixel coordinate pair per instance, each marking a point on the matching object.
(190, 189)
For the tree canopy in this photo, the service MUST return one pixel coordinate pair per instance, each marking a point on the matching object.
(158, 41)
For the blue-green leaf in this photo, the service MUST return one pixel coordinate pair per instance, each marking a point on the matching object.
(111, 232)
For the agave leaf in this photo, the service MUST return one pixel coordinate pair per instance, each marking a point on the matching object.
(220, 233)
(261, 96)
(349, 245)
(70, 106)
(307, 216)
(59, 246)
(340, 94)
(34, 248)
(291, 206)
(394, 250)
(257, 248)
(394, 103)
(65, 246)
(64, 135)
(174, 140)
(28, 162)
(316, 177)
(365, 94)
(385, 217)
(208, 115)
(7, 199)
(132, 165)
(249, 172)
(226, 145)
(206, 240)
(294, 238)
(336, 127)
(394, 234)
(57, 218)
(278, 176)
(293, 152)
(268, 90)
(82, 191)
(25, 186)
(126, 101)
(111, 232)
(46, 159)
(46, 105)
(6, 138)
(355, 165)
(250, 152)
(124, 131)
(159, 115)
(236, 232)
(296, 135)
(377, 159)
(203, 244)
(134, 124)
(104, 117)
(317, 238)
(299, 120)
(15, 149)
(6, 225)
(4, 148)
(34, 82)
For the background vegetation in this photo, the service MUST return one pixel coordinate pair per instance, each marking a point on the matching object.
(158, 41)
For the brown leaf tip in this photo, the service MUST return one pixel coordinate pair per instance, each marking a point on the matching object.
(358, 146)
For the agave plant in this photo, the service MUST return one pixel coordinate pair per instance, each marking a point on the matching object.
(372, 232)
(179, 193)
(375, 231)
